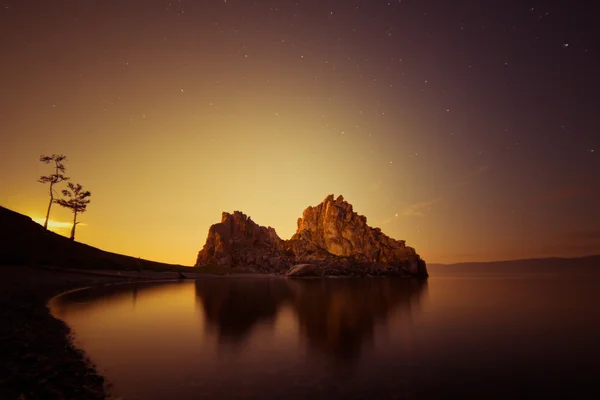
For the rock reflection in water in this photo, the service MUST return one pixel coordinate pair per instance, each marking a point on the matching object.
(337, 317)
(233, 306)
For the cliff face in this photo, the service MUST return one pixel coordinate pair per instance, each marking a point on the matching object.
(330, 235)
(334, 227)
(239, 241)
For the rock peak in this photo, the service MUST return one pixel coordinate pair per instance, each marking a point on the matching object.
(330, 199)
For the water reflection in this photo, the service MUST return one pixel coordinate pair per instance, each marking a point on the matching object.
(269, 336)
(336, 317)
(476, 336)
(79, 301)
(233, 306)
(339, 317)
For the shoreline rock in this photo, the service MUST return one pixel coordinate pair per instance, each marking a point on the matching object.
(302, 270)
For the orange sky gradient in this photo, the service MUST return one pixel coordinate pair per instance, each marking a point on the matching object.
(161, 207)
(171, 114)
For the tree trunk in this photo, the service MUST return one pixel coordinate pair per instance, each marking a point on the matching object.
(49, 205)
(74, 224)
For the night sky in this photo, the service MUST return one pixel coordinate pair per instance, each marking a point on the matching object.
(470, 129)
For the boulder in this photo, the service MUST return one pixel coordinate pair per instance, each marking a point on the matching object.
(301, 270)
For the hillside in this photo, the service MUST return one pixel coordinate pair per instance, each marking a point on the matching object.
(24, 242)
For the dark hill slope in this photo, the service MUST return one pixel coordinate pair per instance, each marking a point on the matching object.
(24, 242)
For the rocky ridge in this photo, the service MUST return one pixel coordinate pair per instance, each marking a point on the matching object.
(331, 238)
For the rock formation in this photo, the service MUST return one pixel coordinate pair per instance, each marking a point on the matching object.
(330, 236)
(239, 241)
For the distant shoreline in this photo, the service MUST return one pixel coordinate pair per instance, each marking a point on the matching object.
(587, 258)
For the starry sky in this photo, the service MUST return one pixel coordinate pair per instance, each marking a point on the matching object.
(468, 128)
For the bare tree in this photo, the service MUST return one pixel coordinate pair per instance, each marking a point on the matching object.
(52, 179)
(76, 200)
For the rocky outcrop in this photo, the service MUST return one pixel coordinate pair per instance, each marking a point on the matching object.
(330, 236)
(239, 241)
(333, 227)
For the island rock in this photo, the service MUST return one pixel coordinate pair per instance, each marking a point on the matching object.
(331, 237)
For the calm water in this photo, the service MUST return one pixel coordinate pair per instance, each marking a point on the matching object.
(470, 333)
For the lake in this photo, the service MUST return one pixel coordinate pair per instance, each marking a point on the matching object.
(467, 332)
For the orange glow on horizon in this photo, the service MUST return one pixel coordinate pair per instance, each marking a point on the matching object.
(56, 226)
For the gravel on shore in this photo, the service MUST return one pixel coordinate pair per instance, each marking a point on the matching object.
(37, 357)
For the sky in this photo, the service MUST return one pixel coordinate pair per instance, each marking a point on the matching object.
(468, 128)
